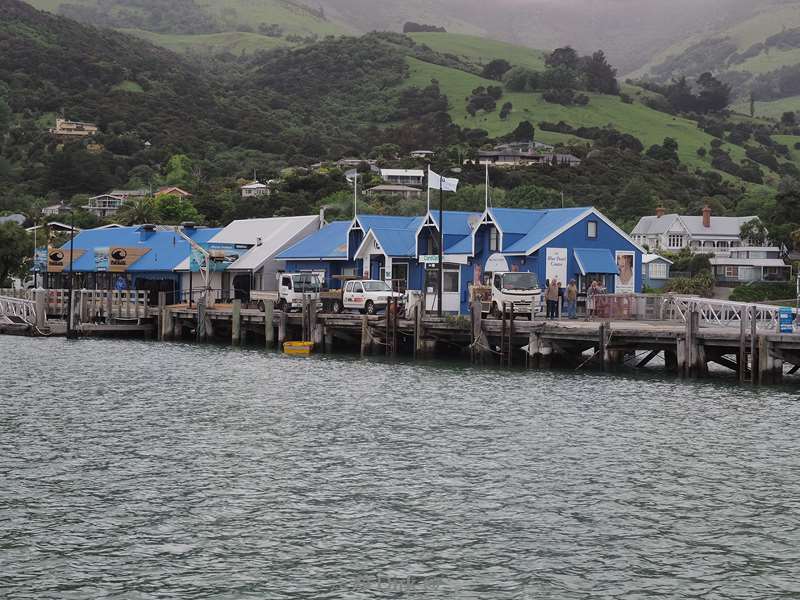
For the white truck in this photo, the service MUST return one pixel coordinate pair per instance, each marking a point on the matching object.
(367, 295)
(521, 290)
(293, 289)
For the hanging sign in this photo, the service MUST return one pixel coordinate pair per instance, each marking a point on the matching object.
(786, 319)
(625, 280)
(58, 259)
(40, 260)
(429, 259)
(496, 263)
(121, 259)
(222, 256)
(556, 265)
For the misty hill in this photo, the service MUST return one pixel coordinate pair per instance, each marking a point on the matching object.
(630, 32)
(760, 54)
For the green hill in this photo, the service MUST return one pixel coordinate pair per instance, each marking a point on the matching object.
(480, 50)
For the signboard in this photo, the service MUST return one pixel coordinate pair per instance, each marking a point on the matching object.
(58, 259)
(101, 262)
(121, 259)
(222, 256)
(40, 260)
(786, 319)
(625, 280)
(556, 265)
(496, 263)
(429, 259)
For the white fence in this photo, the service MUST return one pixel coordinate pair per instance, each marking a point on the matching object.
(18, 308)
(722, 313)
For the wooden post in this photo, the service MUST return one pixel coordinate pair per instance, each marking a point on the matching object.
(476, 317)
(177, 327)
(743, 345)
(269, 328)
(364, 335)
(602, 345)
(236, 322)
(201, 320)
(511, 336)
(166, 325)
(314, 335)
(162, 301)
(418, 316)
(110, 305)
(753, 345)
(84, 307)
(40, 297)
(282, 318)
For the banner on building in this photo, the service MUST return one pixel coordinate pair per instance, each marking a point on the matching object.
(40, 260)
(101, 261)
(222, 256)
(625, 280)
(556, 265)
(121, 259)
(58, 259)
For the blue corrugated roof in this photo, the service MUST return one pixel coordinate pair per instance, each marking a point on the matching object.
(328, 242)
(388, 222)
(397, 242)
(166, 248)
(535, 225)
(595, 260)
(457, 222)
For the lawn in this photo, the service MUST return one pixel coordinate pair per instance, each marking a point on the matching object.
(234, 42)
(128, 86)
(772, 108)
(766, 62)
(649, 125)
(480, 50)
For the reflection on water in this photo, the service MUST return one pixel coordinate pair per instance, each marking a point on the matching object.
(138, 470)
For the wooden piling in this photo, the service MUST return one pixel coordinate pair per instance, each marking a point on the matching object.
(40, 298)
(364, 335)
(754, 353)
(269, 327)
(476, 317)
(236, 322)
(282, 320)
(162, 302)
(601, 350)
(742, 363)
(201, 320)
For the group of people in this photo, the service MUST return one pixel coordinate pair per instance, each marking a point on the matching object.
(553, 293)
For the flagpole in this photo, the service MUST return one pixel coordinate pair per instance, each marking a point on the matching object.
(429, 187)
(355, 195)
(487, 186)
(441, 245)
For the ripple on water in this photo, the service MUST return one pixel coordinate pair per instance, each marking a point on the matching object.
(138, 470)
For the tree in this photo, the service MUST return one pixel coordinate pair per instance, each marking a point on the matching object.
(496, 69)
(520, 79)
(524, 132)
(789, 118)
(506, 110)
(138, 211)
(5, 115)
(754, 231)
(563, 57)
(601, 77)
(15, 247)
(179, 171)
(531, 196)
(714, 95)
(173, 210)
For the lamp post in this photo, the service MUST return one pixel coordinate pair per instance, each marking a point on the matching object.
(440, 292)
(70, 332)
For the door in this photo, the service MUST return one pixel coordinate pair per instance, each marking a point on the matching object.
(451, 294)
(400, 277)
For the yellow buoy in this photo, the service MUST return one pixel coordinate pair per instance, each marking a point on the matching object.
(298, 348)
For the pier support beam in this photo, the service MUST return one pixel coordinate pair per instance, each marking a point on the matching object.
(282, 318)
(167, 324)
(364, 335)
(644, 362)
(40, 298)
(269, 328)
(236, 322)
(202, 333)
(770, 369)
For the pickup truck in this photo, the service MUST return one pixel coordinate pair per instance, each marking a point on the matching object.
(365, 295)
(293, 288)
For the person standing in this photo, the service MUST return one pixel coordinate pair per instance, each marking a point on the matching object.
(590, 298)
(572, 299)
(552, 299)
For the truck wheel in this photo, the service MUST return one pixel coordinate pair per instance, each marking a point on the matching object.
(336, 307)
(261, 306)
(369, 307)
(281, 305)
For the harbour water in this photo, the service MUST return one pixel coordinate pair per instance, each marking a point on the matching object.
(143, 470)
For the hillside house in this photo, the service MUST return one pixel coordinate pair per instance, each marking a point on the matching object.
(400, 191)
(254, 190)
(655, 270)
(751, 264)
(701, 234)
(423, 154)
(525, 154)
(73, 129)
(172, 191)
(403, 176)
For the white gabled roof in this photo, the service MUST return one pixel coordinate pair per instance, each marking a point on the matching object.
(648, 258)
(720, 226)
(254, 186)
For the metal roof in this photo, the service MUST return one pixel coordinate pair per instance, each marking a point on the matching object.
(595, 260)
(534, 225)
(748, 262)
(720, 226)
(402, 173)
(648, 258)
(330, 242)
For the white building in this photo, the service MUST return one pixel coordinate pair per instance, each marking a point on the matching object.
(748, 264)
(403, 176)
(104, 205)
(702, 234)
(254, 189)
(422, 154)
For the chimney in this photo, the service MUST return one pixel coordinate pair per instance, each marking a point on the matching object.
(322, 217)
(706, 216)
(660, 212)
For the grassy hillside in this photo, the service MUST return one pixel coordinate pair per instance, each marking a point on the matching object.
(234, 42)
(649, 125)
(480, 50)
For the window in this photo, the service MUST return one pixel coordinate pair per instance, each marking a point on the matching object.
(658, 270)
(358, 288)
(494, 239)
(376, 286)
(520, 281)
(451, 278)
(497, 283)
(731, 272)
(675, 240)
(591, 230)
(348, 287)
(348, 271)
(286, 282)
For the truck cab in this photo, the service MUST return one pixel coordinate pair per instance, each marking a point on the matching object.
(522, 290)
(293, 288)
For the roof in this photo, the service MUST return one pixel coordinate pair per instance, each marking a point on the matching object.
(166, 248)
(534, 225)
(330, 242)
(748, 262)
(394, 188)
(274, 233)
(170, 189)
(388, 222)
(15, 218)
(402, 173)
(648, 258)
(720, 226)
(395, 241)
(256, 185)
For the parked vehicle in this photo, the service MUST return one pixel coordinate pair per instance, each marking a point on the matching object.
(293, 289)
(367, 295)
(522, 290)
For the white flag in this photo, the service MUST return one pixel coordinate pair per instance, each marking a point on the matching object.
(435, 182)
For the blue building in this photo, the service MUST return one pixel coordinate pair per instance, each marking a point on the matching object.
(655, 271)
(136, 258)
(561, 244)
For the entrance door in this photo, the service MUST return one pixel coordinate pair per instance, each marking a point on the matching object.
(451, 296)
(400, 277)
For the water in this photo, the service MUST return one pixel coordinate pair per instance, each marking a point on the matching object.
(145, 470)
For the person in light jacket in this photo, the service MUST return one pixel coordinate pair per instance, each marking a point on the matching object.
(552, 299)
(572, 299)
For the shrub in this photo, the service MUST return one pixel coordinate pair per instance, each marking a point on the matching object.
(764, 292)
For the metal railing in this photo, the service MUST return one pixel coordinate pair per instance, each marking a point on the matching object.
(18, 308)
(723, 313)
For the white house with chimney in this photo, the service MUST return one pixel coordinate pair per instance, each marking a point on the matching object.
(702, 234)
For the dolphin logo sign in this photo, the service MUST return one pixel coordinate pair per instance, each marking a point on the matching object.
(119, 254)
(56, 256)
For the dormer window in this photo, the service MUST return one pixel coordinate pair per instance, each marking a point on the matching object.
(494, 240)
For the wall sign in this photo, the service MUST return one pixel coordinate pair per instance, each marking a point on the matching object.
(496, 263)
(556, 265)
(625, 280)
(58, 259)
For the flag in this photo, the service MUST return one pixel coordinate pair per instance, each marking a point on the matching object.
(435, 182)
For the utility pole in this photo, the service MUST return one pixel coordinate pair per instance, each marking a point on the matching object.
(70, 332)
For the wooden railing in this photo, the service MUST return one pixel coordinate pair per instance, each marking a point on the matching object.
(89, 305)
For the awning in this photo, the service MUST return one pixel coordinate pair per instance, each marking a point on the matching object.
(595, 260)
